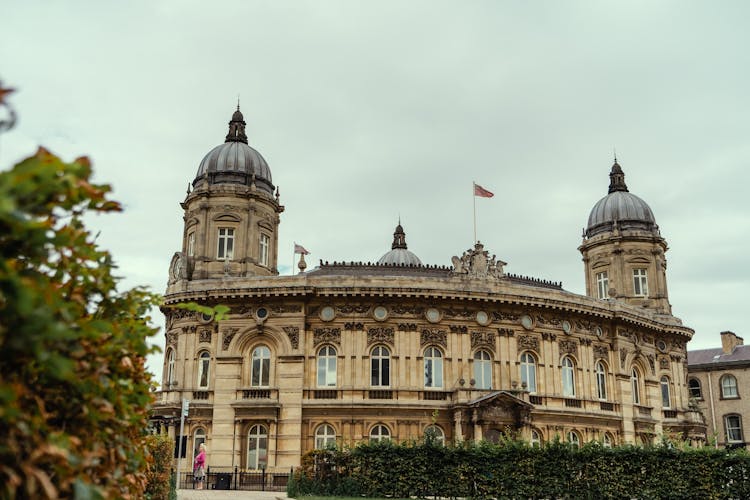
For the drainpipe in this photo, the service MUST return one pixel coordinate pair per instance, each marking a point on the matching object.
(713, 413)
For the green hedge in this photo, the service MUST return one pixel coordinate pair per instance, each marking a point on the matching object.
(516, 470)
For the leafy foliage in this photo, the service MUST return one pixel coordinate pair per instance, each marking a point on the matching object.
(159, 485)
(513, 469)
(73, 389)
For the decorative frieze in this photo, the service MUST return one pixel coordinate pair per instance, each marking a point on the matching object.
(353, 325)
(352, 308)
(293, 333)
(229, 334)
(507, 332)
(401, 309)
(407, 327)
(549, 336)
(526, 342)
(483, 339)
(543, 320)
(601, 351)
(459, 328)
(326, 335)
(503, 316)
(568, 347)
(462, 313)
(433, 336)
(286, 308)
(380, 335)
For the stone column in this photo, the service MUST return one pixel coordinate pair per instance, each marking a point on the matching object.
(477, 426)
(458, 432)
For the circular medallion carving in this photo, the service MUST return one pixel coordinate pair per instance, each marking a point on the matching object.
(598, 331)
(380, 313)
(432, 315)
(527, 322)
(261, 313)
(565, 325)
(483, 318)
(662, 346)
(327, 313)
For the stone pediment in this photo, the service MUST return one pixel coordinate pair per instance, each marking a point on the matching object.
(477, 263)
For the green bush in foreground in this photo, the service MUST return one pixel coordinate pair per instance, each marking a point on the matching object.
(516, 470)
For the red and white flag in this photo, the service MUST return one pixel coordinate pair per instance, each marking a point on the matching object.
(300, 249)
(481, 192)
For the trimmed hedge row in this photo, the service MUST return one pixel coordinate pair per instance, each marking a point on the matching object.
(516, 470)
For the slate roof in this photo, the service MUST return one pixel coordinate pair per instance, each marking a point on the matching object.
(716, 357)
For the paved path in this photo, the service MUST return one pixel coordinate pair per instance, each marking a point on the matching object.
(229, 494)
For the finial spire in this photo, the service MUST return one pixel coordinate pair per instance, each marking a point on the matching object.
(399, 237)
(237, 126)
(617, 178)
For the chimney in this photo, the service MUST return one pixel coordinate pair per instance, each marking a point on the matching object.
(729, 341)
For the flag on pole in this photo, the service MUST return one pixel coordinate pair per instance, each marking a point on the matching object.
(481, 192)
(300, 249)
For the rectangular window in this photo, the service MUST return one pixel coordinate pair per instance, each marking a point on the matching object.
(191, 244)
(734, 428)
(602, 284)
(265, 242)
(226, 244)
(640, 283)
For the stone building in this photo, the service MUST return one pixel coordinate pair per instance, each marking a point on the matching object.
(351, 351)
(718, 381)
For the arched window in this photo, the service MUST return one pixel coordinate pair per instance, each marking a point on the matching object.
(380, 433)
(536, 438)
(694, 386)
(574, 439)
(528, 371)
(568, 377)
(170, 367)
(435, 433)
(257, 447)
(729, 387)
(636, 386)
(327, 367)
(204, 366)
(260, 368)
(380, 367)
(607, 440)
(433, 368)
(601, 381)
(483, 370)
(733, 426)
(199, 437)
(666, 400)
(325, 437)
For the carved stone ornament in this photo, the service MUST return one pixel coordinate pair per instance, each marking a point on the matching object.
(178, 268)
(651, 363)
(400, 309)
(407, 327)
(528, 342)
(352, 308)
(326, 335)
(352, 325)
(663, 363)
(433, 336)
(476, 263)
(483, 339)
(623, 356)
(601, 351)
(293, 333)
(380, 335)
(508, 332)
(459, 328)
(549, 336)
(501, 316)
(204, 335)
(286, 308)
(460, 313)
(542, 320)
(569, 347)
(172, 338)
(229, 334)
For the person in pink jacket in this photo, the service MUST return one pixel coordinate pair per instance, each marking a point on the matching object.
(199, 466)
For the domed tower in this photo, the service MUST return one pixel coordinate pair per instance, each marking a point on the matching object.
(231, 214)
(623, 250)
(399, 255)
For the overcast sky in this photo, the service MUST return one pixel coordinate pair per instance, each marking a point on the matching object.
(370, 110)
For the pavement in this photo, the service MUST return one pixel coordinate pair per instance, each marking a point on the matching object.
(229, 494)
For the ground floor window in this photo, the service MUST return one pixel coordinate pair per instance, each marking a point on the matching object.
(257, 447)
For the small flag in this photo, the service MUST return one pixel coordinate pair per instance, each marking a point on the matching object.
(300, 249)
(481, 192)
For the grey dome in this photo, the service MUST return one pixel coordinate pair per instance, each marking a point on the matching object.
(234, 162)
(619, 207)
(399, 255)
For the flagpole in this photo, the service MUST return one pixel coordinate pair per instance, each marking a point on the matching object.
(474, 197)
(291, 272)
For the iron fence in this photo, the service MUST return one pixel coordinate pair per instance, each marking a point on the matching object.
(228, 478)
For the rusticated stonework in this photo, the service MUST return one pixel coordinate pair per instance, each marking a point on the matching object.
(483, 339)
(324, 335)
(380, 335)
(528, 342)
(569, 347)
(434, 336)
(293, 333)
(229, 334)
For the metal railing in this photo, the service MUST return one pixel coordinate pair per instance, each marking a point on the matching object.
(228, 478)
